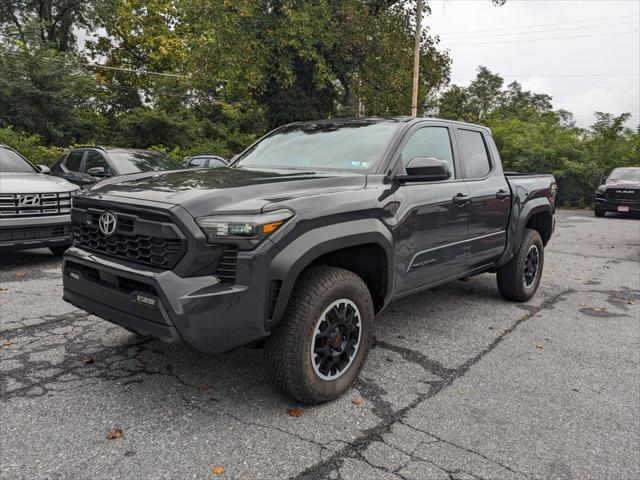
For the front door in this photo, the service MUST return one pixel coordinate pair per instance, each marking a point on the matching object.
(432, 216)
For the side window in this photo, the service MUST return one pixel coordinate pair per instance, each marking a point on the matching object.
(73, 161)
(215, 163)
(198, 162)
(474, 154)
(95, 159)
(429, 142)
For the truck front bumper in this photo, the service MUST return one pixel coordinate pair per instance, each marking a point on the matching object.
(203, 312)
(611, 205)
(35, 232)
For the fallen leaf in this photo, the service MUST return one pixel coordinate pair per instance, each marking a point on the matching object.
(205, 387)
(88, 360)
(7, 343)
(295, 412)
(599, 309)
(115, 433)
(218, 470)
(631, 302)
(461, 392)
(356, 401)
(21, 274)
(3, 289)
(540, 345)
(583, 304)
(401, 337)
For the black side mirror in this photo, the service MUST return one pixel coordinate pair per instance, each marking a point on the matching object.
(425, 169)
(98, 172)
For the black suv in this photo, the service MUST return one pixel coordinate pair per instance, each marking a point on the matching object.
(309, 234)
(620, 192)
(85, 166)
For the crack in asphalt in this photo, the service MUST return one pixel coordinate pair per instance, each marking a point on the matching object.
(391, 417)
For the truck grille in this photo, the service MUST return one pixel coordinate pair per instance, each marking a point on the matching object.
(34, 233)
(149, 238)
(34, 204)
(623, 194)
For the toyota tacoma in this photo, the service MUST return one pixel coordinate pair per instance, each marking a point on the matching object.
(305, 238)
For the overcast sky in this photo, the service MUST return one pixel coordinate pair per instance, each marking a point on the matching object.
(585, 53)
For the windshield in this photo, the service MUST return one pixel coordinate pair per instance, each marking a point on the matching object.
(625, 174)
(11, 161)
(135, 162)
(353, 146)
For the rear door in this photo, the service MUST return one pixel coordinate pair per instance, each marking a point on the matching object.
(432, 216)
(490, 196)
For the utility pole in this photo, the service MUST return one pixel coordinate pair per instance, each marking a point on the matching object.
(416, 61)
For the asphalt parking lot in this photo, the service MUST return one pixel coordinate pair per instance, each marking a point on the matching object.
(460, 385)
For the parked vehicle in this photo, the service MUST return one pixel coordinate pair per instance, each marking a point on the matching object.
(620, 192)
(205, 161)
(85, 166)
(309, 234)
(35, 208)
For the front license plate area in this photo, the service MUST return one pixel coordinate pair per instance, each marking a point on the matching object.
(623, 208)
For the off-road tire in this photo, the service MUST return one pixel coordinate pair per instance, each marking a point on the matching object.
(511, 276)
(59, 251)
(599, 211)
(288, 349)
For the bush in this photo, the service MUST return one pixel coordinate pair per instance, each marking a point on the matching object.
(30, 146)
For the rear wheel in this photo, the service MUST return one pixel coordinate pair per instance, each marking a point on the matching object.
(518, 280)
(321, 345)
(599, 211)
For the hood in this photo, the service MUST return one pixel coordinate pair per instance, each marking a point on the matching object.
(11, 182)
(203, 191)
(622, 184)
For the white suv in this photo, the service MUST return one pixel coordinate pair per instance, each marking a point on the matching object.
(35, 208)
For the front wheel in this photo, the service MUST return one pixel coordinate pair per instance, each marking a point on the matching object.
(321, 345)
(599, 211)
(518, 280)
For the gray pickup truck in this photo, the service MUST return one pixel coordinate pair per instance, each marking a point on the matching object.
(35, 208)
(305, 238)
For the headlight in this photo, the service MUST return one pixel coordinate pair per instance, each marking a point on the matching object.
(248, 227)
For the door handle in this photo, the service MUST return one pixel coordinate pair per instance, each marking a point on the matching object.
(461, 199)
(502, 194)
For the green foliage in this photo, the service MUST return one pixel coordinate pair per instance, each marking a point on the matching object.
(532, 138)
(31, 146)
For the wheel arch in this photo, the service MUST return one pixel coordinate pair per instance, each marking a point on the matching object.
(364, 247)
(536, 214)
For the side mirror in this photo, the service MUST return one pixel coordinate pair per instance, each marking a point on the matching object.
(97, 172)
(425, 169)
(44, 169)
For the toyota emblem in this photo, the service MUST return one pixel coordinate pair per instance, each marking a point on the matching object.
(107, 223)
(29, 200)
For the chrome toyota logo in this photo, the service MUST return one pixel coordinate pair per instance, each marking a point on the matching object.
(29, 200)
(107, 223)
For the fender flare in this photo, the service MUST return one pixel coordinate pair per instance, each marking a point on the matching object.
(296, 256)
(515, 232)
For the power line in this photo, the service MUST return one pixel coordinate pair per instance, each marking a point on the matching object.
(520, 27)
(560, 75)
(105, 67)
(539, 39)
(605, 25)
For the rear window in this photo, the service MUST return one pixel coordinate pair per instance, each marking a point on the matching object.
(11, 161)
(474, 154)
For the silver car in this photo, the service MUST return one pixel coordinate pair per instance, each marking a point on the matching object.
(35, 208)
